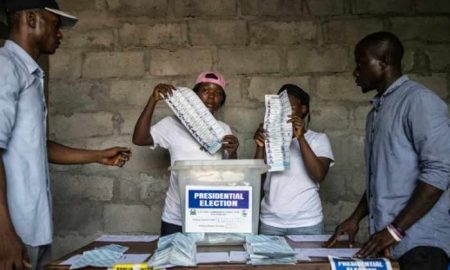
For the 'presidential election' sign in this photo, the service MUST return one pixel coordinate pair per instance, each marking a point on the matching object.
(218, 209)
(359, 264)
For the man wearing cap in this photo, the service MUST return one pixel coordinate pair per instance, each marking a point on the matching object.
(25, 199)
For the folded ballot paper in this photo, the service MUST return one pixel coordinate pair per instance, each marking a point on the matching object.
(194, 115)
(268, 250)
(278, 131)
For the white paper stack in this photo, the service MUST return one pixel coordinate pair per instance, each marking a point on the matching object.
(278, 131)
(194, 115)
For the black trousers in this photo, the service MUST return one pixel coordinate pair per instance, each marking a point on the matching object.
(169, 228)
(424, 258)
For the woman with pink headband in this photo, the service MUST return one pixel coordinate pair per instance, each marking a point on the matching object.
(170, 134)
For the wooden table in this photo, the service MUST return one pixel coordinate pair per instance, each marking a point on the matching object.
(149, 247)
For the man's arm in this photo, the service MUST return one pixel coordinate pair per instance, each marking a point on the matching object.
(422, 200)
(351, 225)
(61, 154)
(12, 252)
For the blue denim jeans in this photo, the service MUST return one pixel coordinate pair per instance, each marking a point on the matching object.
(270, 230)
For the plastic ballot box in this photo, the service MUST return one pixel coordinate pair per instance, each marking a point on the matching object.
(220, 196)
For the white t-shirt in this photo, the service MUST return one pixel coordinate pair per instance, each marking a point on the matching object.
(291, 197)
(170, 134)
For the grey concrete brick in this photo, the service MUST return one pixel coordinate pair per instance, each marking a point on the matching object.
(422, 28)
(337, 212)
(65, 64)
(329, 117)
(335, 185)
(359, 116)
(436, 82)
(113, 64)
(436, 6)
(98, 38)
(180, 62)
(351, 31)
(136, 218)
(325, 7)
(261, 86)
(81, 125)
(439, 57)
(72, 6)
(152, 35)
(340, 87)
(86, 218)
(249, 60)
(244, 120)
(272, 7)
(311, 59)
(152, 9)
(200, 8)
(274, 32)
(217, 32)
(131, 116)
(96, 20)
(82, 187)
(233, 90)
(381, 7)
(77, 96)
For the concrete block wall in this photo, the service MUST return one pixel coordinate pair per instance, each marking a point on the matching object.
(107, 66)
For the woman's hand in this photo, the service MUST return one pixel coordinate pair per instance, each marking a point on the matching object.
(162, 91)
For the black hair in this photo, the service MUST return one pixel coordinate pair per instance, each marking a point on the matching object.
(298, 93)
(211, 76)
(385, 46)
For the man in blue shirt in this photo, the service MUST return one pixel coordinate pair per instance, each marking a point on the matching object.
(407, 155)
(25, 200)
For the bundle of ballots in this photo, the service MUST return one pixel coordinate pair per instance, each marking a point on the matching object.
(194, 115)
(278, 132)
(267, 250)
(176, 250)
(105, 256)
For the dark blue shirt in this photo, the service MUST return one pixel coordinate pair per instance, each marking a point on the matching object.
(408, 140)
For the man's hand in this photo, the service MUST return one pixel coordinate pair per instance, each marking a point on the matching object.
(260, 137)
(162, 91)
(298, 126)
(350, 227)
(116, 156)
(12, 251)
(230, 144)
(377, 243)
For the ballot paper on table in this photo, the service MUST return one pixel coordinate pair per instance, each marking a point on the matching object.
(315, 238)
(196, 117)
(278, 131)
(304, 254)
(126, 238)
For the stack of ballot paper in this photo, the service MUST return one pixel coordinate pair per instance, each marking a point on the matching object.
(278, 131)
(196, 117)
(175, 249)
(267, 250)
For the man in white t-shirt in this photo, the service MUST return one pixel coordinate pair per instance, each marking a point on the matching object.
(170, 134)
(291, 203)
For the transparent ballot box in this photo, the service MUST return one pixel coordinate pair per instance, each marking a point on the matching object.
(220, 198)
